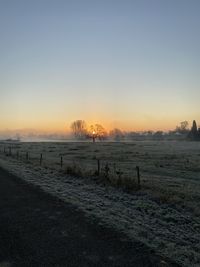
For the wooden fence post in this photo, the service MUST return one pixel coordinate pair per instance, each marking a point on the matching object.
(40, 159)
(61, 161)
(98, 167)
(138, 175)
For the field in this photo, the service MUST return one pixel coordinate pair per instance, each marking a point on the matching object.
(168, 169)
(164, 213)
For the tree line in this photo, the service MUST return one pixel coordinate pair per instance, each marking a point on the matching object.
(81, 131)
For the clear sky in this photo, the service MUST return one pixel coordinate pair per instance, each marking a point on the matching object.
(132, 64)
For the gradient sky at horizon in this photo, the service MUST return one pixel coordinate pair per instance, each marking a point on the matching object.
(128, 64)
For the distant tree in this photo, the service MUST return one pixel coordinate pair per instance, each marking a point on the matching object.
(184, 125)
(149, 132)
(116, 134)
(194, 127)
(194, 133)
(183, 128)
(98, 131)
(79, 129)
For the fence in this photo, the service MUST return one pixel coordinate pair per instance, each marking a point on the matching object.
(97, 167)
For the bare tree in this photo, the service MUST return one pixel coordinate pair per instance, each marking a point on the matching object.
(98, 131)
(184, 125)
(79, 129)
(183, 128)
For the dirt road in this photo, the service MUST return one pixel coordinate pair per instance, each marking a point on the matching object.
(37, 229)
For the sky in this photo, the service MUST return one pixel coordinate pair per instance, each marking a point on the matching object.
(130, 64)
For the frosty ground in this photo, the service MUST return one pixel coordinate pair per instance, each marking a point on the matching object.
(164, 214)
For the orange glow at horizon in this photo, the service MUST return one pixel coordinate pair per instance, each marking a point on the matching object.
(62, 126)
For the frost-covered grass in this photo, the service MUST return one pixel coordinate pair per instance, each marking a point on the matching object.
(164, 214)
(169, 170)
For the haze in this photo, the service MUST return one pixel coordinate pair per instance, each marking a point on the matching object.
(128, 64)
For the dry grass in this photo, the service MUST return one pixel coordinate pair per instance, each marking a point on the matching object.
(169, 170)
